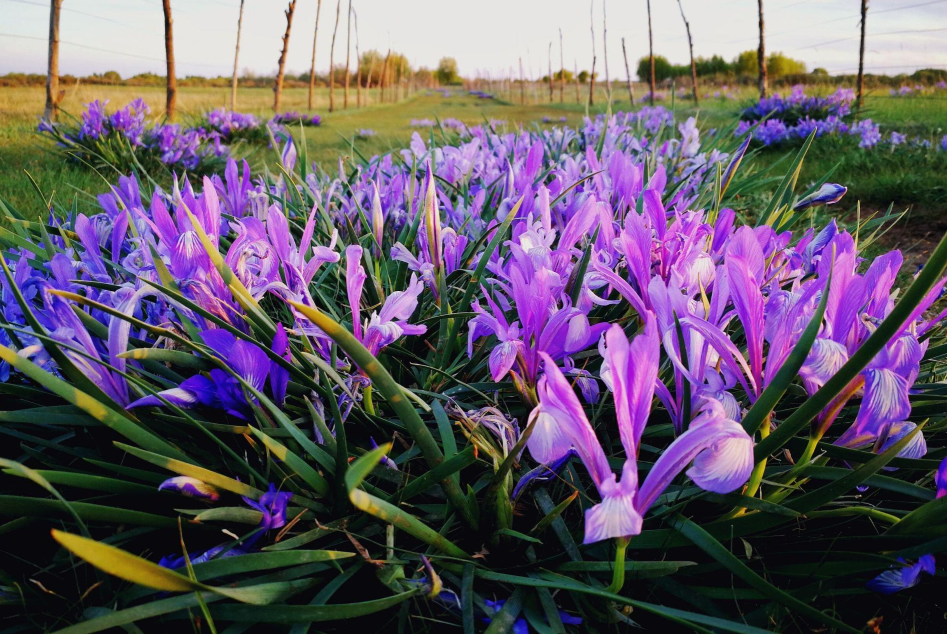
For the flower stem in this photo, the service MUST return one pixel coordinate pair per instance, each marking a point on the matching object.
(618, 574)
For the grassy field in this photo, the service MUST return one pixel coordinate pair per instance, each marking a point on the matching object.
(877, 178)
(24, 154)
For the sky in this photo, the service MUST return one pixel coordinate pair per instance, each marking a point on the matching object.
(486, 37)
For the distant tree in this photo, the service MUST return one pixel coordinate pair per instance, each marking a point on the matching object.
(820, 72)
(236, 57)
(662, 68)
(312, 67)
(861, 54)
(53, 96)
(690, 44)
(278, 87)
(424, 77)
(447, 71)
(746, 63)
(348, 57)
(563, 74)
(584, 76)
(778, 65)
(712, 66)
(335, 30)
(172, 90)
(651, 56)
(761, 55)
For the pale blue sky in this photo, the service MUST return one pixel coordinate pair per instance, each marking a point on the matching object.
(486, 36)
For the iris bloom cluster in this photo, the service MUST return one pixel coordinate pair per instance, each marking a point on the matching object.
(610, 276)
(104, 136)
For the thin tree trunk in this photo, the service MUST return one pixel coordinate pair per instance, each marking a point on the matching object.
(550, 73)
(510, 84)
(592, 76)
(358, 65)
(368, 82)
(608, 81)
(761, 55)
(53, 96)
(236, 59)
(348, 53)
(578, 94)
(312, 67)
(562, 72)
(651, 54)
(278, 88)
(172, 82)
(384, 79)
(592, 83)
(861, 56)
(338, 10)
(522, 83)
(631, 85)
(690, 44)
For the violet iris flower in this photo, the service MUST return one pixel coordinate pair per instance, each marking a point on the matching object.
(391, 323)
(902, 577)
(221, 390)
(190, 487)
(272, 505)
(940, 478)
(856, 304)
(719, 448)
(828, 194)
(547, 324)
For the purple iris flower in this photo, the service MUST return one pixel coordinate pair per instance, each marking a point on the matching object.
(940, 478)
(173, 562)
(391, 323)
(828, 194)
(548, 323)
(190, 487)
(902, 577)
(272, 505)
(220, 390)
(856, 304)
(520, 626)
(719, 448)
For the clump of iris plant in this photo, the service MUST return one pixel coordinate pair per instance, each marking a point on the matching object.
(527, 378)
